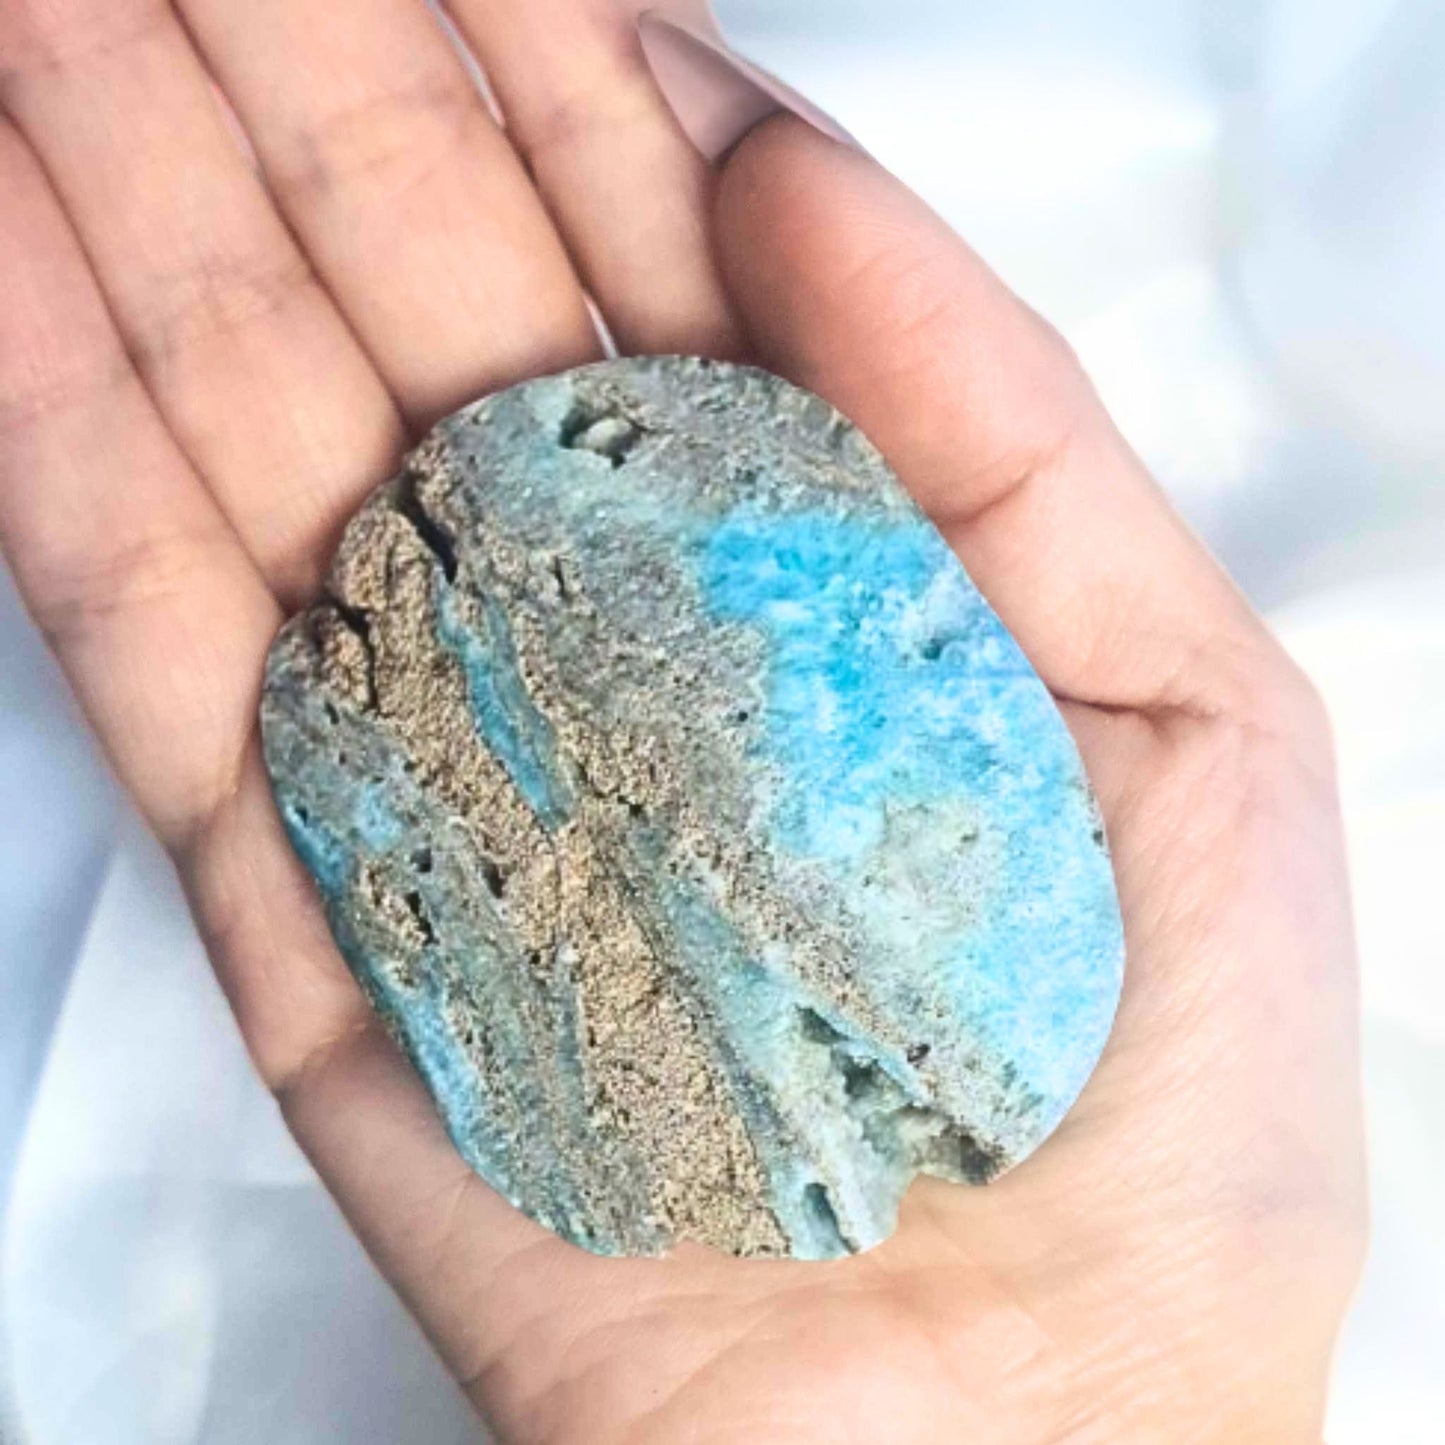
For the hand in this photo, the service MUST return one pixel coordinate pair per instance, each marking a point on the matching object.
(205, 364)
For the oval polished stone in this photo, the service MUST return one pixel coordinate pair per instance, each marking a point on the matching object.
(697, 828)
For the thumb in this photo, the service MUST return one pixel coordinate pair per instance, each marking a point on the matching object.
(851, 287)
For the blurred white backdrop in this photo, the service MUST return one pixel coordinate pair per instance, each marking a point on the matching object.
(1236, 211)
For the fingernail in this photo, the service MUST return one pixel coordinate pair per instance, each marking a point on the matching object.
(716, 94)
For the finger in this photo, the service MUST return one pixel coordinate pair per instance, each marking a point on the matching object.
(406, 196)
(852, 287)
(251, 365)
(125, 562)
(630, 194)
(158, 617)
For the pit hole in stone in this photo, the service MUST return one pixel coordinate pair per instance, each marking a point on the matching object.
(933, 648)
(332, 716)
(977, 1164)
(421, 860)
(819, 1208)
(564, 588)
(494, 878)
(862, 1079)
(603, 432)
(418, 912)
(943, 1148)
(916, 1053)
(815, 1028)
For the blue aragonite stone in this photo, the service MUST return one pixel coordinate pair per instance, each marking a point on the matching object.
(706, 841)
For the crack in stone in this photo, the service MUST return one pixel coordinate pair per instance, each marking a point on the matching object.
(434, 537)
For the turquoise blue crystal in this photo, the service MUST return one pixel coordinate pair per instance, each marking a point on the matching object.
(703, 836)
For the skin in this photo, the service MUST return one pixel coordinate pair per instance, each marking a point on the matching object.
(210, 353)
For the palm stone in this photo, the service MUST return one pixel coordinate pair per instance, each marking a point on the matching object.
(710, 847)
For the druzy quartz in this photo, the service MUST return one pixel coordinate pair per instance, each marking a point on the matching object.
(706, 841)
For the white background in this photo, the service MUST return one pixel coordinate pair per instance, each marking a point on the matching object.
(1236, 211)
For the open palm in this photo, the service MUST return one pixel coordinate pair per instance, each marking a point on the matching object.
(212, 348)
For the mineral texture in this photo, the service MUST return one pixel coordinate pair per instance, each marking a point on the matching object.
(708, 844)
